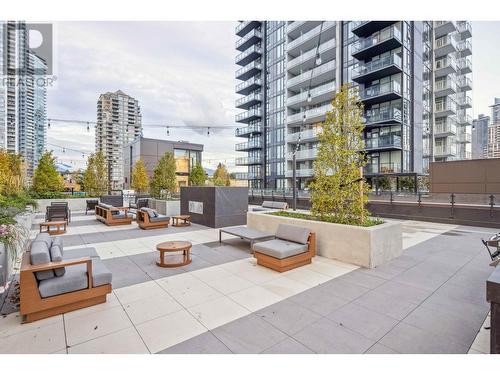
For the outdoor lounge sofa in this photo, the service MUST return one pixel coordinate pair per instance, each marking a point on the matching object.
(293, 247)
(90, 205)
(267, 205)
(148, 218)
(58, 211)
(55, 281)
(111, 215)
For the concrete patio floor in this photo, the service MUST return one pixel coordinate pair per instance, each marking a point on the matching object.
(430, 300)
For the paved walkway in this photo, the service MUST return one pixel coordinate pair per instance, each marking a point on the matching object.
(431, 299)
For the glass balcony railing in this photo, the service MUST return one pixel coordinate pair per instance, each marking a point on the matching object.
(465, 101)
(317, 91)
(251, 129)
(445, 84)
(383, 115)
(392, 32)
(252, 34)
(447, 127)
(465, 83)
(252, 81)
(306, 76)
(382, 168)
(464, 27)
(375, 65)
(311, 54)
(302, 172)
(253, 65)
(464, 138)
(445, 41)
(382, 89)
(310, 34)
(445, 150)
(251, 50)
(304, 135)
(384, 141)
(311, 114)
(249, 98)
(465, 65)
(255, 112)
(254, 143)
(249, 160)
(307, 154)
(465, 47)
(446, 106)
(447, 62)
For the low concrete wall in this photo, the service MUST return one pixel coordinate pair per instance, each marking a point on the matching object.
(164, 207)
(367, 247)
(75, 204)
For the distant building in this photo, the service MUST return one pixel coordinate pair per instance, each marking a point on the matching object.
(493, 145)
(186, 154)
(480, 136)
(118, 124)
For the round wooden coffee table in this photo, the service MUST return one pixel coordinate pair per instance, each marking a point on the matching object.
(173, 247)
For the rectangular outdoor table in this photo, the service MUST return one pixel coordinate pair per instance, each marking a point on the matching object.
(245, 233)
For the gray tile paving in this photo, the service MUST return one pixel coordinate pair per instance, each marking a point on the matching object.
(378, 348)
(288, 317)
(387, 304)
(206, 343)
(362, 278)
(249, 335)
(346, 290)
(318, 301)
(327, 336)
(288, 346)
(125, 272)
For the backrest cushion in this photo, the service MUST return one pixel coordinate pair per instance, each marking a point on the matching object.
(56, 254)
(40, 254)
(267, 204)
(149, 211)
(293, 233)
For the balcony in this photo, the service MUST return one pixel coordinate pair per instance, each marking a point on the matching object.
(241, 176)
(248, 101)
(465, 29)
(309, 39)
(464, 84)
(308, 154)
(249, 71)
(250, 145)
(318, 94)
(445, 128)
(464, 138)
(245, 26)
(296, 28)
(445, 45)
(377, 44)
(381, 93)
(248, 130)
(247, 116)
(377, 69)
(382, 116)
(315, 77)
(248, 86)
(444, 27)
(464, 66)
(445, 151)
(311, 116)
(249, 55)
(444, 87)
(465, 102)
(382, 168)
(445, 108)
(367, 28)
(303, 172)
(464, 120)
(304, 136)
(445, 66)
(465, 48)
(383, 142)
(252, 37)
(307, 60)
(250, 160)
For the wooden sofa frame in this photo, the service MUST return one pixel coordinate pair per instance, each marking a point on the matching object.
(105, 215)
(34, 307)
(286, 264)
(144, 222)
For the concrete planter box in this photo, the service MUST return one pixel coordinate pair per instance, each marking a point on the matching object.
(74, 204)
(367, 247)
(6, 265)
(164, 207)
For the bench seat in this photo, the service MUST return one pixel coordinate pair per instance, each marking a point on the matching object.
(280, 248)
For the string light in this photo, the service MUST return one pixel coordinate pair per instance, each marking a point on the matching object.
(88, 127)
(309, 97)
(318, 59)
(48, 124)
(168, 131)
(208, 131)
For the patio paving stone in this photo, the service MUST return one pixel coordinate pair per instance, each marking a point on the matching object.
(206, 343)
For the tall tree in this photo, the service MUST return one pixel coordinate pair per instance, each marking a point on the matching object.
(197, 176)
(163, 183)
(140, 179)
(96, 176)
(12, 173)
(337, 191)
(46, 178)
(221, 176)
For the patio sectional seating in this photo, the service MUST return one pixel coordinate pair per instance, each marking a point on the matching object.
(58, 211)
(55, 281)
(148, 218)
(111, 215)
(113, 200)
(293, 247)
(267, 205)
(90, 205)
(140, 201)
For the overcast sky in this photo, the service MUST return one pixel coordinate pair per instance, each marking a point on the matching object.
(181, 73)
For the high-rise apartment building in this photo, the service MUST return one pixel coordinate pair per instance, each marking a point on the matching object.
(412, 79)
(23, 114)
(480, 136)
(118, 124)
(493, 145)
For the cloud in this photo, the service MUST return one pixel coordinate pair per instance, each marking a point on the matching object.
(182, 73)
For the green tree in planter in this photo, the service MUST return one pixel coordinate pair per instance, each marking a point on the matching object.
(407, 183)
(383, 183)
(221, 176)
(140, 179)
(163, 182)
(337, 191)
(197, 176)
(46, 178)
(96, 176)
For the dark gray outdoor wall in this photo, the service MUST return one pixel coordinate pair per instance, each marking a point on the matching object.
(222, 206)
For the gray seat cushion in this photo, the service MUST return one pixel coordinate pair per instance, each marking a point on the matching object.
(75, 278)
(279, 248)
(40, 254)
(81, 252)
(121, 215)
(293, 233)
(159, 218)
(56, 254)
